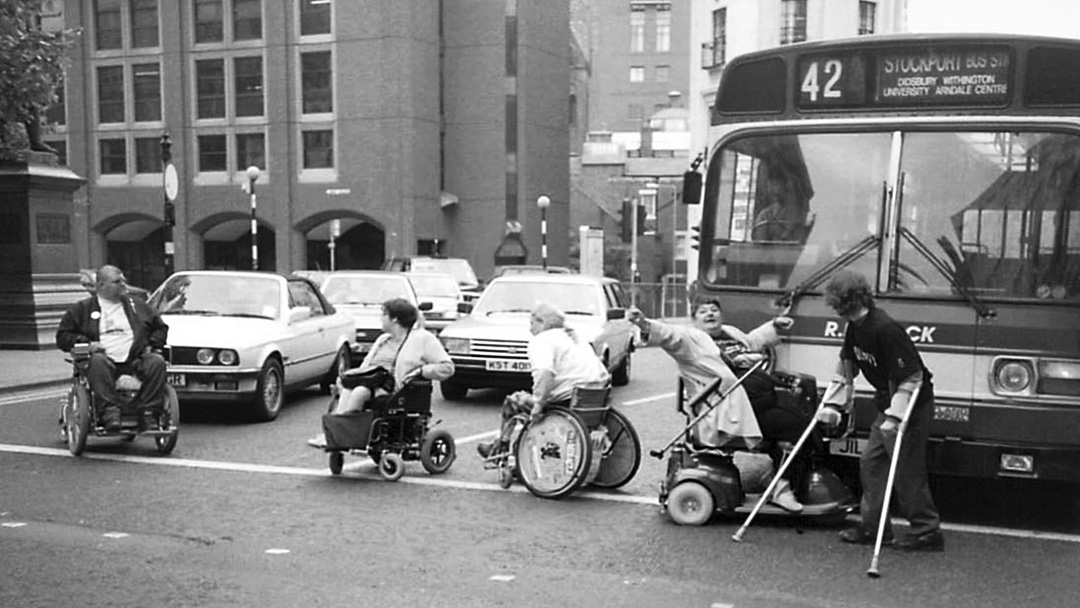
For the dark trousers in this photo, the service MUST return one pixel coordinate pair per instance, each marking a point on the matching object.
(149, 368)
(911, 486)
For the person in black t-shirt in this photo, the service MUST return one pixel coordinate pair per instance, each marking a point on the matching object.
(880, 348)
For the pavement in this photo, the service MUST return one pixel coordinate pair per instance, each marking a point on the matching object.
(24, 370)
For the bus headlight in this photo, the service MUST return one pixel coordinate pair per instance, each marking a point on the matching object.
(1013, 376)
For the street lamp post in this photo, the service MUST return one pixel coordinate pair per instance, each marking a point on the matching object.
(170, 186)
(633, 253)
(253, 175)
(543, 202)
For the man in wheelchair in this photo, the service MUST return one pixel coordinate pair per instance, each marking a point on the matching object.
(560, 362)
(125, 337)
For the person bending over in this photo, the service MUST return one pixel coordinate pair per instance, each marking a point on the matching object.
(125, 337)
(560, 362)
(405, 351)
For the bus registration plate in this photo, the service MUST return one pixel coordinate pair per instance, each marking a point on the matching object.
(176, 380)
(852, 447)
(506, 365)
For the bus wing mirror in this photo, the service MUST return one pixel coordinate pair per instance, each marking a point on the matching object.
(691, 192)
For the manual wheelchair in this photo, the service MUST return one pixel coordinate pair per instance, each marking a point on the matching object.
(586, 442)
(81, 412)
(390, 430)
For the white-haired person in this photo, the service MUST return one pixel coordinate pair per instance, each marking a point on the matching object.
(560, 362)
(700, 362)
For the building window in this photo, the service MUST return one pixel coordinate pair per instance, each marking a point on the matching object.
(247, 19)
(319, 149)
(637, 73)
(144, 23)
(209, 21)
(719, 38)
(113, 156)
(110, 94)
(213, 155)
(663, 28)
(247, 74)
(57, 112)
(867, 17)
(210, 88)
(147, 79)
(316, 83)
(250, 150)
(637, 28)
(314, 17)
(792, 21)
(108, 30)
(663, 73)
(147, 155)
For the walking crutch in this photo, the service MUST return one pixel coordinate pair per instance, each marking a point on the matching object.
(737, 537)
(873, 571)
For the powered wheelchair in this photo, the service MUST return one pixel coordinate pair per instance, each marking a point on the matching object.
(81, 412)
(585, 442)
(391, 429)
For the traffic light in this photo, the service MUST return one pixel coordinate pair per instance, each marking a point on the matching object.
(626, 219)
(695, 237)
(642, 216)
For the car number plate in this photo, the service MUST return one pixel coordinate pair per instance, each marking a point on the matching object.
(177, 380)
(506, 365)
(851, 447)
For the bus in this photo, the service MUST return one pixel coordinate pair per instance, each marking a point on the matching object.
(946, 169)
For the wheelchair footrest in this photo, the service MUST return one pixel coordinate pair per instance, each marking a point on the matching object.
(350, 431)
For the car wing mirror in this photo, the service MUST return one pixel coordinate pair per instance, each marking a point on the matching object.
(426, 306)
(299, 313)
(616, 314)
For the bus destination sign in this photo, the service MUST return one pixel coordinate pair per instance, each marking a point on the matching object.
(961, 75)
(948, 75)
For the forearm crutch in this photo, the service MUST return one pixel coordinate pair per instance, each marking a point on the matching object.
(737, 537)
(704, 394)
(873, 571)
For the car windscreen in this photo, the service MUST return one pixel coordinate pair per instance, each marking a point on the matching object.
(219, 295)
(522, 297)
(457, 268)
(435, 286)
(364, 291)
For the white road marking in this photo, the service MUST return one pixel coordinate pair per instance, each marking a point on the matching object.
(116, 535)
(278, 551)
(18, 398)
(476, 437)
(649, 399)
(502, 578)
(357, 467)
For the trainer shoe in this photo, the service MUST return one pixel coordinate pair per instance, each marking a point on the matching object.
(111, 418)
(928, 541)
(318, 441)
(858, 536)
(784, 498)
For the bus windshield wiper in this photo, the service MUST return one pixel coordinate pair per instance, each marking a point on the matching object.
(980, 307)
(843, 260)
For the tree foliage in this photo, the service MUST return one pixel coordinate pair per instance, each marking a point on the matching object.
(31, 67)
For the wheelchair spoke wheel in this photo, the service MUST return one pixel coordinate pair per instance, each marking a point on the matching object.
(170, 420)
(622, 458)
(337, 462)
(391, 466)
(78, 418)
(553, 454)
(438, 451)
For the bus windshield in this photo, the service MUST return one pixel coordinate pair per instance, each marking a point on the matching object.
(985, 214)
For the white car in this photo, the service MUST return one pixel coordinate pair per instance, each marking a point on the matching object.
(489, 346)
(360, 294)
(444, 294)
(249, 336)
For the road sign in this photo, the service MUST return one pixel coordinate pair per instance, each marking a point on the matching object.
(335, 228)
(172, 182)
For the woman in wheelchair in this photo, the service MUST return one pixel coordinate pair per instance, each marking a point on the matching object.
(404, 352)
(560, 362)
(732, 424)
(125, 337)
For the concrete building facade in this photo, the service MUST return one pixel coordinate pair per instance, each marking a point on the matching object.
(420, 127)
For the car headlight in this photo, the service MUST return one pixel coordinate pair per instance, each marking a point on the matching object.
(456, 346)
(205, 356)
(227, 357)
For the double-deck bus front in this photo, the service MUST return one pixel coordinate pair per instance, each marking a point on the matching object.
(947, 170)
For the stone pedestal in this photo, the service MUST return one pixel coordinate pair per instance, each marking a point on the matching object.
(38, 261)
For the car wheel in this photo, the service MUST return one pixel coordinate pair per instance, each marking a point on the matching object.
(338, 369)
(690, 504)
(438, 452)
(78, 419)
(269, 392)
(454, 391)
(621, 375)
(391, 467)
(171, 422)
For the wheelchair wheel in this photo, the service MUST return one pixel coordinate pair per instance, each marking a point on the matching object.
(690, 504)
(337, 462)
(621, 460)
(391, 466)
(553, 454)
(77, 418)
(438, 451)
(171, 421)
